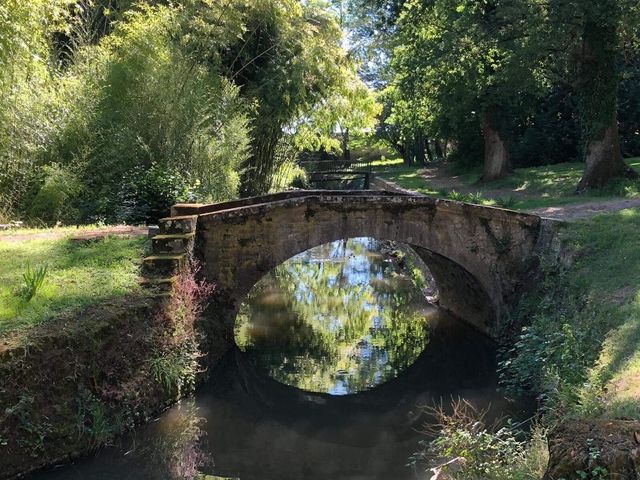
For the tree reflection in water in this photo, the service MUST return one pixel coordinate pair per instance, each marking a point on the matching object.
(340, 318)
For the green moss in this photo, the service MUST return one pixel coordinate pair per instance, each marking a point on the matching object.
(78, 274)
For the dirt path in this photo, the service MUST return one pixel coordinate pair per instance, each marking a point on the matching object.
(82, 234)
(582, 211)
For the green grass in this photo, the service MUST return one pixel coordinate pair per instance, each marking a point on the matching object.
(583, 334)
(78, 275)
(610, 271)
(63, 230)
(525, 189)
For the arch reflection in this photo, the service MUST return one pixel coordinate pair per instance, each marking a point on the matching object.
(340, 318)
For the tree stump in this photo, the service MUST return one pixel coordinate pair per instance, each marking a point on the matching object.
(607, 449)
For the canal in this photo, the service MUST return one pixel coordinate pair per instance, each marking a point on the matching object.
(340, 353)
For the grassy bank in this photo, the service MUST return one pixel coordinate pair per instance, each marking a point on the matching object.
(525, 189)
(577, 346)
(74, 383)
(78, 274)
(581, 345)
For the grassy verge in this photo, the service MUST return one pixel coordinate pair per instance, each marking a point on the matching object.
(579, 349)
(78, 274)
(525, 189)
(582, 345)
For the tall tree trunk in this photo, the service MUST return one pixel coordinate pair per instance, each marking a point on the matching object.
(429, 152)
(420, 149)
(407, 156)
(497, 162)
(597, 88)
(438, 147)
(604, 159)
(346, 152)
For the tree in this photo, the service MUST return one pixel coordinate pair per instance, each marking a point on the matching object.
(591, 30)
(349, 109)
(287, 59)
(472, 60)
(26, 122)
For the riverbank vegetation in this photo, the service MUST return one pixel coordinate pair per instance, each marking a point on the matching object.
(576, 349)
(580, 343)
(74, 383)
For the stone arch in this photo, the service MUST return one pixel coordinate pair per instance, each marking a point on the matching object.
(480, 256)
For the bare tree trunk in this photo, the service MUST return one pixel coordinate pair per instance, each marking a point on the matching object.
(604, 159)
(497, 162)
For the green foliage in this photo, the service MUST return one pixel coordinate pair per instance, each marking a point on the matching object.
(27, 93)
(33, 281)
(287, 60)
(56, 196)
(37, 431)
(112, 111)
(176, 370)
(350, 110)
(467, 448)
(94, 420)
(455, 62)
(175, 364)
(163, 127)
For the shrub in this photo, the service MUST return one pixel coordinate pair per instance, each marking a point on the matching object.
(55, 199)
(466, 448)
(27, 95)
(33, 281)
(153, 126)
(176, 362)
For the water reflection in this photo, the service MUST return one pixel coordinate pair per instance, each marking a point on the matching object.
(340, 318)
(243, 424)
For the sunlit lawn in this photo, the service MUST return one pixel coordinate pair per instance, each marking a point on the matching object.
(78, 275)
(526, 188)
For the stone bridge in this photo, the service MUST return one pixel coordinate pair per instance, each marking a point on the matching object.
(482, 258)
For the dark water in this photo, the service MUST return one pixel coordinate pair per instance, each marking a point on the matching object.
(343, 318)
